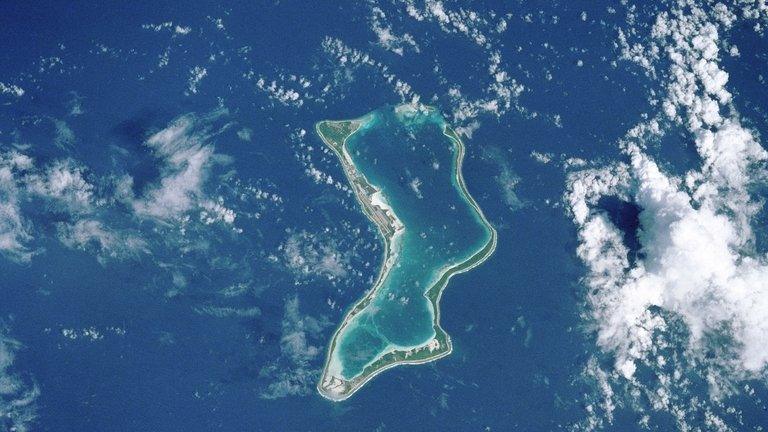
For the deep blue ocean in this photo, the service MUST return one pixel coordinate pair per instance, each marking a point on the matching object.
(172, 318)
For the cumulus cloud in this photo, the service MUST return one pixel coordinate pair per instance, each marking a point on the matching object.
(387, 39)
(168, 26)
(502, 91)
(465, 22)
(196, 75)
(11, 89)
(696, 246)
(348, 57)
(690, 256)
(215, 211)
(694, 264)
(499, 91)
(288, 89)
(284, 95)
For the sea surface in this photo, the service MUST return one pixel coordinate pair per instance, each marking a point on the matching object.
(194, 283)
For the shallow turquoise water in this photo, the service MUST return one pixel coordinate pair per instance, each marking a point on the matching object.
(413, 163)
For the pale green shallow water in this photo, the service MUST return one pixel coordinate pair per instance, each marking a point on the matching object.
(411, 160)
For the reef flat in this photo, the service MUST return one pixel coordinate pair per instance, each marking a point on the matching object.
(404, 166)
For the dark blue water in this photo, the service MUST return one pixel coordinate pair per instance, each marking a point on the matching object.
(165, 359)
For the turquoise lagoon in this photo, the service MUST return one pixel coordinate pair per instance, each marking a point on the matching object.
(404, 163)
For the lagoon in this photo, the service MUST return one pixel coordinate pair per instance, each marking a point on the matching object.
(404, 164)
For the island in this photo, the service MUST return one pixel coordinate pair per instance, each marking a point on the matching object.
(404, 164)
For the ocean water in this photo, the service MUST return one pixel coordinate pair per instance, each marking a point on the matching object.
(194, 284)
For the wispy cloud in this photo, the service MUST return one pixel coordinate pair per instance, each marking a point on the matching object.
(294, 373)
(92, 236)
(18, 393)
(506, 178)
(311, 255)
(186, 157)
(61, 186)
(65, 137)
(15, 230)
(63, 183)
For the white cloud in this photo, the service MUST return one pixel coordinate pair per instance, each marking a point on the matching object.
(93, 236)
(18, 394)
(64, 183)
(502, 91)
(293, 374)
(186, 157)
(543, 158)
(387, 39)
(168, 26)
(289, 89)
(283, 95)
(28, 194)
(15, 230)
(756, 10)
(215, 211)
(346, 56)
(695, 262)
(466, 22)
(498, 94)
(309, 255)
(196, 74)
(304, 154)
(11, 89)
(506, 179)
(64, 135)
(61, 186)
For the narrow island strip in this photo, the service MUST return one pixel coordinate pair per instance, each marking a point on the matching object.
(335, 384)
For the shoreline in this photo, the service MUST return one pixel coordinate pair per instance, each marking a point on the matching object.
(336, 388)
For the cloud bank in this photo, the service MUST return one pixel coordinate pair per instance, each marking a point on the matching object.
(682, 286)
